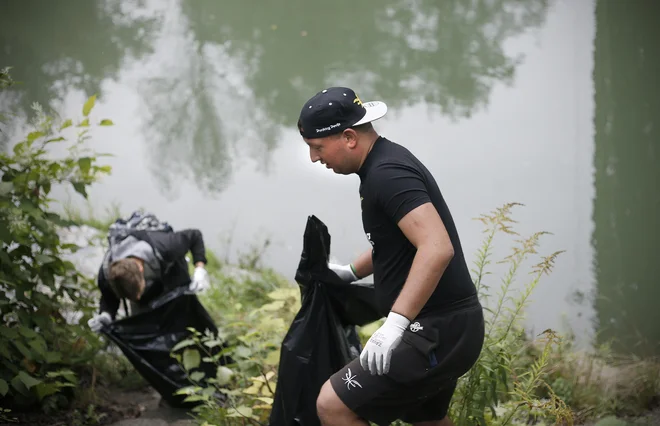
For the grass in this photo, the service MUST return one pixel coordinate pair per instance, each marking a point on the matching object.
(90, 217)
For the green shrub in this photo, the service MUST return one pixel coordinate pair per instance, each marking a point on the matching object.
(39, 348)
(254, 335)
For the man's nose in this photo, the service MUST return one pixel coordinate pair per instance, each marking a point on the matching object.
(314, 157)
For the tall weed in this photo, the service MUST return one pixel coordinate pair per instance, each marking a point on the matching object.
(506, 383)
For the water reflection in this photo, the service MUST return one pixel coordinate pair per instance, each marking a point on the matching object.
(448, 54)
(239, 70)
(201, 115)
(55, 47)
(221, 78)
(200, 86)
(626, 207)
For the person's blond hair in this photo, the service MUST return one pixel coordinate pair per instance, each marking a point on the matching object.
(126, 279)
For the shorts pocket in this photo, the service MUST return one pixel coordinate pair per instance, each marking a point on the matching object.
(412, 359)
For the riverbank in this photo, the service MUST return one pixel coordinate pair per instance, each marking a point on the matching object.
(597, 389)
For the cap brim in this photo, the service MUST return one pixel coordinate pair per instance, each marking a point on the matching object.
(375, 110)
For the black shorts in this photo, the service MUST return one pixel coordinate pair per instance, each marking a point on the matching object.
(434, 352)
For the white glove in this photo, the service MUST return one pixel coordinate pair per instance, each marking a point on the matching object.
(345, 272)
(200, 281)
(97, 322)
(377, 353)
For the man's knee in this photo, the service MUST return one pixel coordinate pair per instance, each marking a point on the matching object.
(328, 404)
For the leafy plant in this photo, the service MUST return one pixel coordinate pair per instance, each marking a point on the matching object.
(6, 417)
(39, 290)
(88, 417)
(504, 384)
(247, 387)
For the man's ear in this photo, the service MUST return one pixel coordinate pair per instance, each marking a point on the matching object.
(350, 136)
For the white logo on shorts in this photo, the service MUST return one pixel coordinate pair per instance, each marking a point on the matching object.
(350, 380)
(416, 326)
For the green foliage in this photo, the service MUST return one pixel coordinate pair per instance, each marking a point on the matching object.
(504, 386)
(598, 384)
(237, 290)
(39, 289)
(117, 371)
(515, 381)
(612, 421)
(254, 335)
(5, 79)
(100, 221)
(251, 259)
(87, 417)
(5, 82)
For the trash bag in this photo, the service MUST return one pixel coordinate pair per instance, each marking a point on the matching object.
(148, 337)
(322, 337)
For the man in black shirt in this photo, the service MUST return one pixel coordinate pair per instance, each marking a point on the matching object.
(434, 329)
(146, 264)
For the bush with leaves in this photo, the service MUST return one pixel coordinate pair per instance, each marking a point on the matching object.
(40, 344)
(253, 329)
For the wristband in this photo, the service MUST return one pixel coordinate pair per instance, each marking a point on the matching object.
(353, 270)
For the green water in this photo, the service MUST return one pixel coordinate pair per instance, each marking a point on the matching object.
(553, 104)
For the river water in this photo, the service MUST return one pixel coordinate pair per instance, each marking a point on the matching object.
(553, 104)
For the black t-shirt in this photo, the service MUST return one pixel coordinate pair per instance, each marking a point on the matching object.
(394, 182)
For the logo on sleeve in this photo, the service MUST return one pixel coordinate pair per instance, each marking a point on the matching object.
(369, 238)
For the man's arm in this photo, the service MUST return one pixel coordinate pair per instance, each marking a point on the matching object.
(404, 198)
(424, 229)
(400, 191)
(363, 265)
(175, 245)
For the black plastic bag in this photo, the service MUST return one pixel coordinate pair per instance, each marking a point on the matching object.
(322, 337)
(148, 337)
